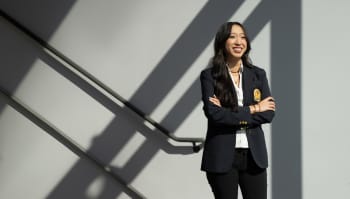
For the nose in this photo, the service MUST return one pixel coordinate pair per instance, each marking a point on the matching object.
(238, 41)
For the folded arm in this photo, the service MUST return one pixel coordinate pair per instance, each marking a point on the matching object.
(218, 114)
(252, 115)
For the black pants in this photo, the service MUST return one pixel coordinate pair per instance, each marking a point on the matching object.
(251, 179)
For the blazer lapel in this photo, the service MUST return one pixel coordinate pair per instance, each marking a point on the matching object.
(248, 84)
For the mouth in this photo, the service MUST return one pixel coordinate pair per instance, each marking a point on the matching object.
(237, 49)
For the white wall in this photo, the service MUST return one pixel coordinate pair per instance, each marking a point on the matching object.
(151, 53)
(325, 92)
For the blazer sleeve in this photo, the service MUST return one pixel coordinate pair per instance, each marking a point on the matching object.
(266, 116)
(221, 115)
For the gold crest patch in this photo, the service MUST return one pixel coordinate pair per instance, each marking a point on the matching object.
(257, 95)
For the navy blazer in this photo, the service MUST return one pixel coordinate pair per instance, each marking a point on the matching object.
(219, 147)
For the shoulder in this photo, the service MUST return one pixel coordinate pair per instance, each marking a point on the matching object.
(255, 69)
(207, 72)
(259, 72)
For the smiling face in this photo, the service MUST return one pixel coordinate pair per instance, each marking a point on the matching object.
(236, 44)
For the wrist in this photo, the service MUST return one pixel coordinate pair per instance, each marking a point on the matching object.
(257, 107)
(252, 109)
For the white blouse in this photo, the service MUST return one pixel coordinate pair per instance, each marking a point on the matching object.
(241, 135)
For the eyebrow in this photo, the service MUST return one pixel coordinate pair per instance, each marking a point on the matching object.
(237, 34)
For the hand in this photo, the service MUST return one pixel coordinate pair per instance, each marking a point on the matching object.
(215, 101)
(267, 104)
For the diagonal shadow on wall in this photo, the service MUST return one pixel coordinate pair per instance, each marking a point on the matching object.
(16, 60)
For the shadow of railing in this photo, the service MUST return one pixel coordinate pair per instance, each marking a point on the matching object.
(97, 83)
(66, 141)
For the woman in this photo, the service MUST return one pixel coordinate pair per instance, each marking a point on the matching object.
(237, 101)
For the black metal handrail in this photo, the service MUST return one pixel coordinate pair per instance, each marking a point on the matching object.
(196, 147)
(66, 141)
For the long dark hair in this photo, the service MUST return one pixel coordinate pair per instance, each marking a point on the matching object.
(223, 83)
